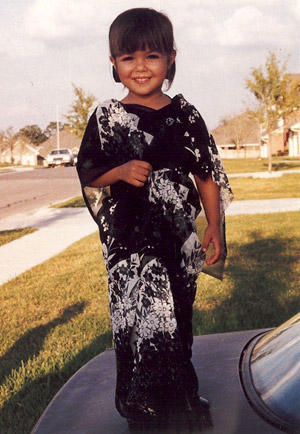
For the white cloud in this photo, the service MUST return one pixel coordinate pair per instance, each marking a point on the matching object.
(296, 10)
(58, 20)
(78, 21)
(213, 4)
(194, 25)
(15, 42)
(50, 43)
(249, 26)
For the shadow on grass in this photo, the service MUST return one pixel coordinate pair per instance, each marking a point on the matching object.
(261, 272)
(22, 411)
(282, 166)
(30, 344)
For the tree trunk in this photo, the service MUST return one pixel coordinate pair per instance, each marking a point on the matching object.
(11, 154)
(270, 151)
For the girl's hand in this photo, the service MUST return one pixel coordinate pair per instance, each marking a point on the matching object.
(212, 235)
(135, 172)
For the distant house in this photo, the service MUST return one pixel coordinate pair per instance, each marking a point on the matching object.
(279, 146)
(28, 154)
(286, 138)
(238, 137)
(66, 139)
(22, 153)
(293, 140)
(292, 134)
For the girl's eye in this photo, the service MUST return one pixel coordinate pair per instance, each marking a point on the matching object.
(153, 56)
(126, 58)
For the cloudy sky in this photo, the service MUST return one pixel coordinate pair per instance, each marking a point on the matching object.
(47, 45)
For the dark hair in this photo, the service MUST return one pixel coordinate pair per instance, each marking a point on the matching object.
(139, 28)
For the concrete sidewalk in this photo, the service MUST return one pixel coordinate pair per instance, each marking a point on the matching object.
(264, 174)
(58, 228)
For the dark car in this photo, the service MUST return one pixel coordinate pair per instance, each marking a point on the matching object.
(270, 375)
(251, 378)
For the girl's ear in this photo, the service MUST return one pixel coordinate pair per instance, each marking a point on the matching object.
(113, 60)
(171, 68)
(172, 58)
(114, 70)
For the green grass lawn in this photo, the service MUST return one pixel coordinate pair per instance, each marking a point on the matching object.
(54, 318)
(75, 202)
(4, 165)
(10, 235)
(7, 167)
(244, 165)
(286, 186)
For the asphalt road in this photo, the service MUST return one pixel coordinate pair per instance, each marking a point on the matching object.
(27, 191)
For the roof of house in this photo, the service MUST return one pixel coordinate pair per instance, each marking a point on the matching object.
(292, 118)
(242, 125)
(294, 76)
(20, 147)
(66, 140)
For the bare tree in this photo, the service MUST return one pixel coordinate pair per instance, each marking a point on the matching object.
(237, 129)
(8, 141)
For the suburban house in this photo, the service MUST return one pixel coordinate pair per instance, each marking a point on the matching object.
(22, 153)
(293, 139)
(241, 136)
(238, 137)
(65, 139)
(286, 138)
(28, 154)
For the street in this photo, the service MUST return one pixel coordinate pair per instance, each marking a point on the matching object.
(27, 191)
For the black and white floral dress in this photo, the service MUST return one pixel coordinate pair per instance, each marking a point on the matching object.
(152, 253)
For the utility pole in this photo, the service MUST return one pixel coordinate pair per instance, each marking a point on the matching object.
(57, 128)
(158, 5)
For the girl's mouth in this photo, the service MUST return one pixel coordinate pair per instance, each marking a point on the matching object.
(141, 80)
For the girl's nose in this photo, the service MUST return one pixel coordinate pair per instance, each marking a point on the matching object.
(140, 64)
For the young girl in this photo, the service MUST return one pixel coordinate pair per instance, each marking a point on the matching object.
(144, 148)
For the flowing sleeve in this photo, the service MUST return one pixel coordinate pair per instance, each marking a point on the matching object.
(92, 163)
(205, 161)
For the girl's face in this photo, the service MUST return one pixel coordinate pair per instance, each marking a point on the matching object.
(143, 73)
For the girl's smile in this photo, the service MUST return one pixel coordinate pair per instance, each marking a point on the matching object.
(143, 73)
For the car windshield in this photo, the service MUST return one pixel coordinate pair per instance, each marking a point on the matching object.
(275, 369)
(59, 151)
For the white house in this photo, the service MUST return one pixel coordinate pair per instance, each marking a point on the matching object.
(293, 138)
(22, 153)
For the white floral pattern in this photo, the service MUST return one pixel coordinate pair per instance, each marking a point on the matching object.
(149, 241)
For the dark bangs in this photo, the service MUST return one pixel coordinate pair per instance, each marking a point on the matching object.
(139, 29)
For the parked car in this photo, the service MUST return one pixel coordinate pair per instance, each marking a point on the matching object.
(270, 375)
(251, 379)
(60, 157)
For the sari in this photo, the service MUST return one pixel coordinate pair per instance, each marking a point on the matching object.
(150, 245)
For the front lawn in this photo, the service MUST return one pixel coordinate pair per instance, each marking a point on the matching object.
(285, 186)
(244, 165)
(54, 318)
